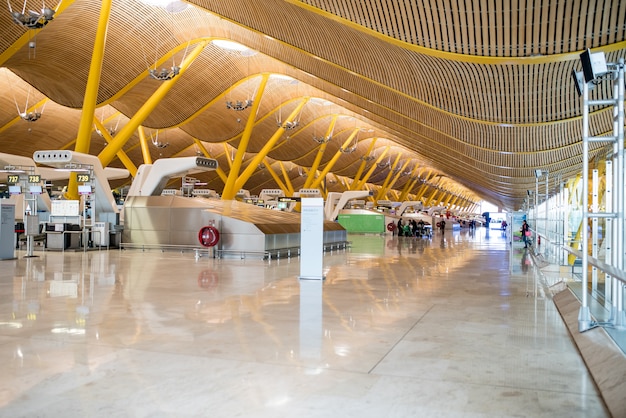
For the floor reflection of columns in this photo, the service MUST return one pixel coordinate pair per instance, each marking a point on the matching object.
(311, 318)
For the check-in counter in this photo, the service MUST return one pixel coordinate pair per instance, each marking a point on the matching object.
(62, 236)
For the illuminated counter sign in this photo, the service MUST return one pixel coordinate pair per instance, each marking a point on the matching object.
(289, 199)
(34, 178)
(13, 178)
(83, 178)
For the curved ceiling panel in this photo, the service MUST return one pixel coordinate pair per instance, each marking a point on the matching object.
(479, 96)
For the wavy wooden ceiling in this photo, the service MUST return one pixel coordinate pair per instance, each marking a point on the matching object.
(477, 93)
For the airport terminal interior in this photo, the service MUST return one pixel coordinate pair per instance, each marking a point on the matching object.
(313, 207)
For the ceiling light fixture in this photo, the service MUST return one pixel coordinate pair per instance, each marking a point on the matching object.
(164, 74)
(239, 105)
(32, 19)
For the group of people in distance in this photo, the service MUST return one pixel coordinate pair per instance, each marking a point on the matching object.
(412, 228)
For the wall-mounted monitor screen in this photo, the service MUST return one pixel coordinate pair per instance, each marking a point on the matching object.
(84, 189)
(35, 190)
(15, 189)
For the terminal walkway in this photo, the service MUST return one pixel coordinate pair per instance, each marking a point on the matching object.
(455, 326)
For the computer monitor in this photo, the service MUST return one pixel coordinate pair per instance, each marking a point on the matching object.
(35, 190)
(84, 189)
(15, 189)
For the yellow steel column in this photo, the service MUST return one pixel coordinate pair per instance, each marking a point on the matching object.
(107, 155)
(275, 177)
(120, 154)
(287, 179)
(409, 184)
(396, 177)
(230, 160)
(230, 188)
(431, 198)
(145, 148)
(424, 187)
(320, 154)
(357, 176)
(383, 188)
(332, 162)
(573, 185)
(371, 170)
(245, 175)
(206, 153)
(444, 197)
(83, 139)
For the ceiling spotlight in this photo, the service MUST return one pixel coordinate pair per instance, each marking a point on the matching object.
(30, 116)
(239, 105)
(289, 125)
(594, 65)
(164, 74)
(32, 19)
(579, 80)
(322, 139)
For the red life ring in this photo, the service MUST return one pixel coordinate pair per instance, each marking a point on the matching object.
(391, 226)
(208, 236)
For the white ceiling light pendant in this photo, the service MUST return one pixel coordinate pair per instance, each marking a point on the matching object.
(325, 104)
(239, 105)
(166, 73)
(287, 125)
(154, 137)
(31, 19)
(355, 142)
(111, 130)
(32, 115)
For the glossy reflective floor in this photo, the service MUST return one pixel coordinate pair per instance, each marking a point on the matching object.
(456, 326)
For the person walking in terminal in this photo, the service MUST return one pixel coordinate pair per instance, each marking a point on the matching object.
(525, 234)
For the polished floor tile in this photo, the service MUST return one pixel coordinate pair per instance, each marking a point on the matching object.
(456, 326)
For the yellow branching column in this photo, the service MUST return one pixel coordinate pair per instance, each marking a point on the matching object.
(128, 163)
(575, 197)
(205, 152)
(357, 176)
(287, 179)
(365, 178)
(277, 179)
(145, 149)
(258, 158)
(320, 153)
(388, 183)
(230, 188)
(316, 183)
(409, 184)
(107, 155)
(83, 139)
